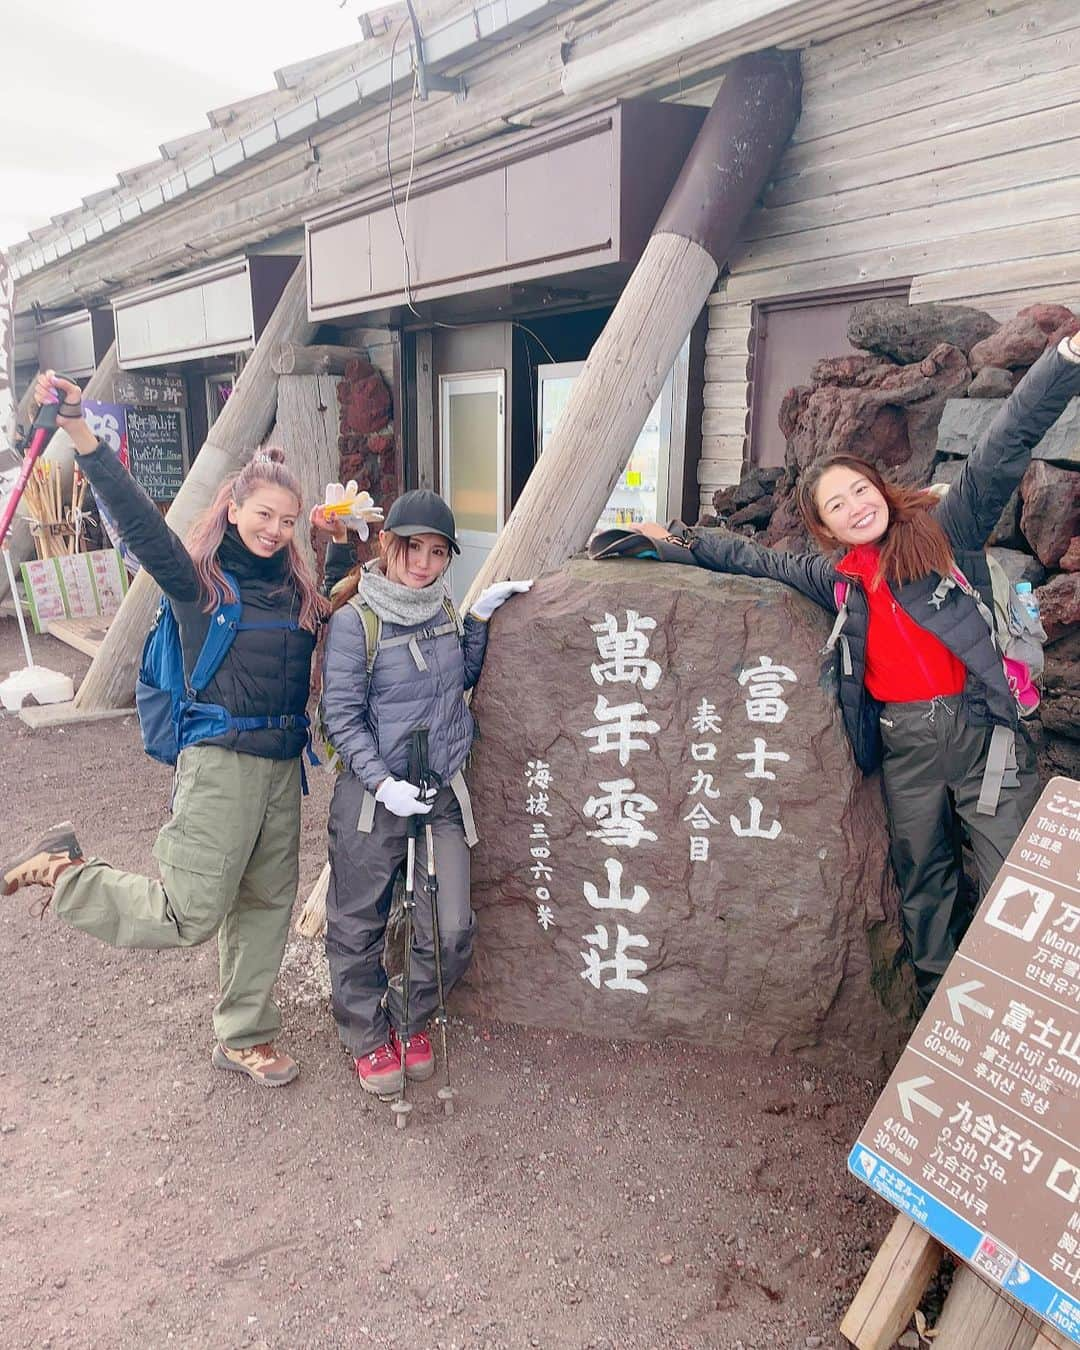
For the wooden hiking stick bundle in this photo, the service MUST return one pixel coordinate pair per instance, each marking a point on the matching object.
(44, 499)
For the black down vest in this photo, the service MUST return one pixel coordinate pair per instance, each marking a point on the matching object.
(267, 672)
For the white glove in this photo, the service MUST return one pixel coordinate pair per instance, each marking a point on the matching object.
(353, 508)
(491, 597)
(400, 797)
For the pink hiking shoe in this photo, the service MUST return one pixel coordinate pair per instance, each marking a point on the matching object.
(379, 1070)
(419, 1056)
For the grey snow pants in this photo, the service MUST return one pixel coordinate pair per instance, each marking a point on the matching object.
(363, 867)
(932, 772)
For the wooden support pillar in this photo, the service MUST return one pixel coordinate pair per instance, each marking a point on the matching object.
(243, 425)
(892, 1287)
(731, 161)
(307, 430)
(977, 1315)
(293, 358)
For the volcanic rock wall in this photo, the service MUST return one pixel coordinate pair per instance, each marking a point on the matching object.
(930, 382)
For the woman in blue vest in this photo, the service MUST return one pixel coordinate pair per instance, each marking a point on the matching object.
(229, 854)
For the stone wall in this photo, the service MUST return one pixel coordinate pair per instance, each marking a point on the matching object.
(930, 382)
(674, 838)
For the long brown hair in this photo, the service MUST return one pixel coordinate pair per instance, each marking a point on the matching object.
(391, 548)
(914, 544)
(204, 539)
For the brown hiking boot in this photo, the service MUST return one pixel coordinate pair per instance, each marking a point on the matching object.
(40, 865)
(267, 1066)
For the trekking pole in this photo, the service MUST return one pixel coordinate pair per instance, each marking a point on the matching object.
(446, 1093)
(44, 426)
(401, 1106)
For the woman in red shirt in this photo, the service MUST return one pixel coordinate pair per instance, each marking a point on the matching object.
(922, 689)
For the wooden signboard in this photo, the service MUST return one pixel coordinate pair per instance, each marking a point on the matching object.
(156, 451)
(977, 1135)
(141, 389)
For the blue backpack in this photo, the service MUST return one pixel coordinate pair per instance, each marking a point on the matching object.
(170, 717)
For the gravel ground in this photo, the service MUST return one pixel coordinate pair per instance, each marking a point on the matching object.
(585, 1194)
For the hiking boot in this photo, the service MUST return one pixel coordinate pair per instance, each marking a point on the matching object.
(40, 865)
(419, 1056)
(379, 1070)
(262, 1063)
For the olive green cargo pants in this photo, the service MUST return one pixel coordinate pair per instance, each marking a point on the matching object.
(229, 865)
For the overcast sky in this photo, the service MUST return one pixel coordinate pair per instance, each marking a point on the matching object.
(89, 89)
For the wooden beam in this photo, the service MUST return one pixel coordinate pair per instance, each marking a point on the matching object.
(307, 430)
(293, 358)
(1049, 1339)
(734, 153)
(977, 1316)
(85, 635)
(234, 437)
(48, 715)
(892, 1287)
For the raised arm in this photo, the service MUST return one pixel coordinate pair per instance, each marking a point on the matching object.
(340, 560)
(140, 523)
(994, 468)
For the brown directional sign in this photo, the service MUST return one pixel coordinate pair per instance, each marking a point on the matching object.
(977, 1134)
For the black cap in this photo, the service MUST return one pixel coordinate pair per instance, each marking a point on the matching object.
(422, 512)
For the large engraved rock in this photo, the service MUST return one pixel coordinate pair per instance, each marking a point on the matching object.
(674, 838)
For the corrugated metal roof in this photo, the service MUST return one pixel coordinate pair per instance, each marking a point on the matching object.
(309, 93)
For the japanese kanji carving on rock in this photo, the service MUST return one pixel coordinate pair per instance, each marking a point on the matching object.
(674, 838)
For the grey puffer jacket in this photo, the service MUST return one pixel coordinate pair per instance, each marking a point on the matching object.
(370, 722)
(967, 514)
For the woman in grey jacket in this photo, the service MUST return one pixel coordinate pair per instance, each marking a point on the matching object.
(399, 660)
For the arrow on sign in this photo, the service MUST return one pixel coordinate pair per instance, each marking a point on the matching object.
(910, 1096)
(958, 997)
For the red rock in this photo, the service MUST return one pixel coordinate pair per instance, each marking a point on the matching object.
(1050, 318)
(1059, 604)
(724, 499)
(1066, 330)
(792, 407)
(891, 419)
(1070, 559)
(1020, 341)
(847, 370)
(786, 529)
(769, 944)
(1050, 514)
